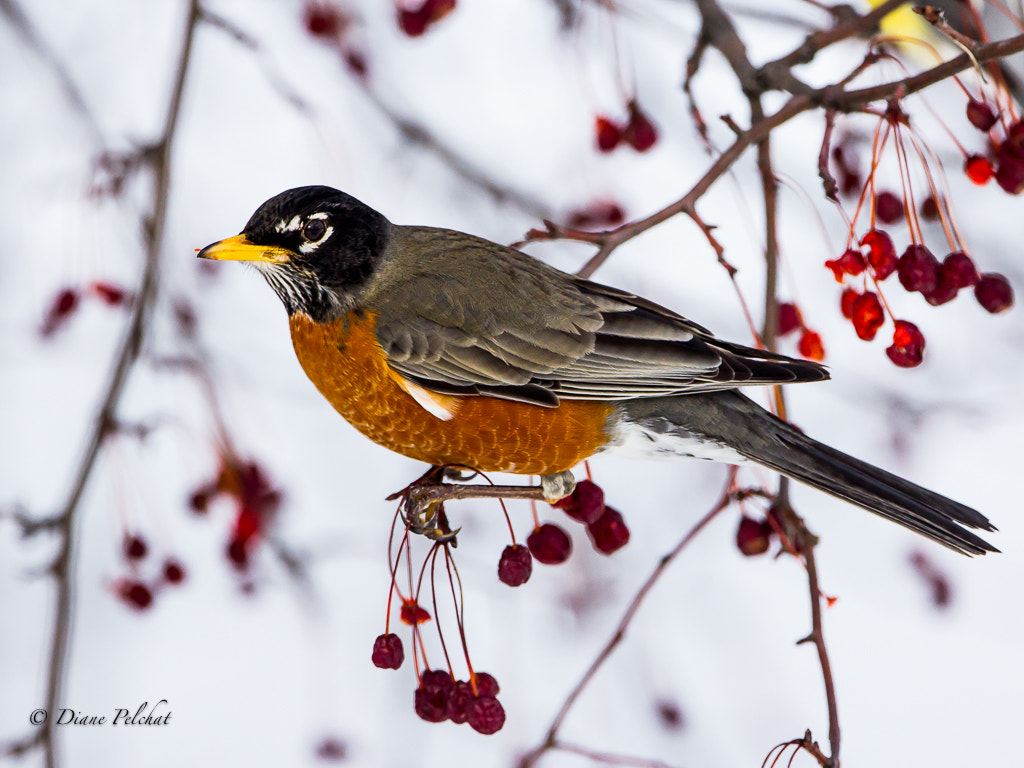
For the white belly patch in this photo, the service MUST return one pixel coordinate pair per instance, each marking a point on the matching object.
(657, 439)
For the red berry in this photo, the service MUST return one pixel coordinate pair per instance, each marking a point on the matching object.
(322, 20)
(247, 524)
(609, 532)
(888, 207)
(459, 701)
(639, 132)
(943, 292)
(979, 169)
(599, 214)
(414, 24)
(174, 572)
(907, 348)
(134, 547)
(789, 318)
(753, 537)
(881, 254)
(486, 685)
(332, 749)
(849, 296)
(136, 594)
(868, 316)
(238, 554)
(549, 544)
(958, 269)
(111, 294)
(810, 346)
(199, 500)
(994, 293)
(515, 565)
(929, 209)
(850, 263)
(61, 308)
(412, 613)
(585, 504)
(981, 115)
(388, 652)
(431, 704)
(918, 269)
(485, 715)
(608, 134)
(439, 679)
(1010, 170)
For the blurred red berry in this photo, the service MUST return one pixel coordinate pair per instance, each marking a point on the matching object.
(134, 547)
(1009, 170)
(485, 715)
(608, 134)
(918, 269)
(110, 293)
(61, 308)
(994, 293)
(868, 316)
(238, 553)
(788, 318)
(670, 715)
(929, 209)
(135, 593)
(431, 704)
(881, 254)
(811, 346)
(958, 269)
(851, 262)
(888, 208)
(849, 296)
(978, 169)
(585, 504)
(247, 525)
(356, 62)
(515, 565)
(174, 572)
(549, 544)
(600, 214)
(332, 750)
(981, 115)
(388, 652)
(907, 348)
(608, 533)
(639, 132)
(486, 685)
(412, 613)
(323, 20)
(753, 537)
(414, 24)
(943, 292)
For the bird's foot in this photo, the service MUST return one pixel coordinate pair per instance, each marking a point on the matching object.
(557, 486)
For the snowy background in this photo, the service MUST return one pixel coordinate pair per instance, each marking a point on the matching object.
(265, 677)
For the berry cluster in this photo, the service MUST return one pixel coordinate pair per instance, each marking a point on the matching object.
(638, 131)
(1004, 160)
(550, 544)
(790, 319)
(67, 302)
(256, 503)
(136, 591)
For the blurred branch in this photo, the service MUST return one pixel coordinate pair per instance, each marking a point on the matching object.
(157, 157)
(551, 740)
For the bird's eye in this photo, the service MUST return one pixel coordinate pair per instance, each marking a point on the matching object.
(314, 230)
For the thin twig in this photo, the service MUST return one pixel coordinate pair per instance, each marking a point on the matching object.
(65, 522)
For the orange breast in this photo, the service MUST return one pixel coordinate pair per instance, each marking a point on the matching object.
(347, 365)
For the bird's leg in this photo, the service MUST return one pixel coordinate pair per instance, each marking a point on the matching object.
(557, 486)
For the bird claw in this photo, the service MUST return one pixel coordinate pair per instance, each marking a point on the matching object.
(427, 517)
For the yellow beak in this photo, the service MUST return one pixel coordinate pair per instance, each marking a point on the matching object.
(239, 248)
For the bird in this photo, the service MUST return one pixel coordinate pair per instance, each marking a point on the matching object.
(454, 350)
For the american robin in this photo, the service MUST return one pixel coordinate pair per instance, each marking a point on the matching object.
(451, 349)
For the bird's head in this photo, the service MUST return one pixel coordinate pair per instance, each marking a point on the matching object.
(316, 246)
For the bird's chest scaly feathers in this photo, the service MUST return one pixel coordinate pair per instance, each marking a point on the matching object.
(345, 362)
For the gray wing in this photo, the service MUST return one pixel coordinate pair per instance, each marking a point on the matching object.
(460, 315)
